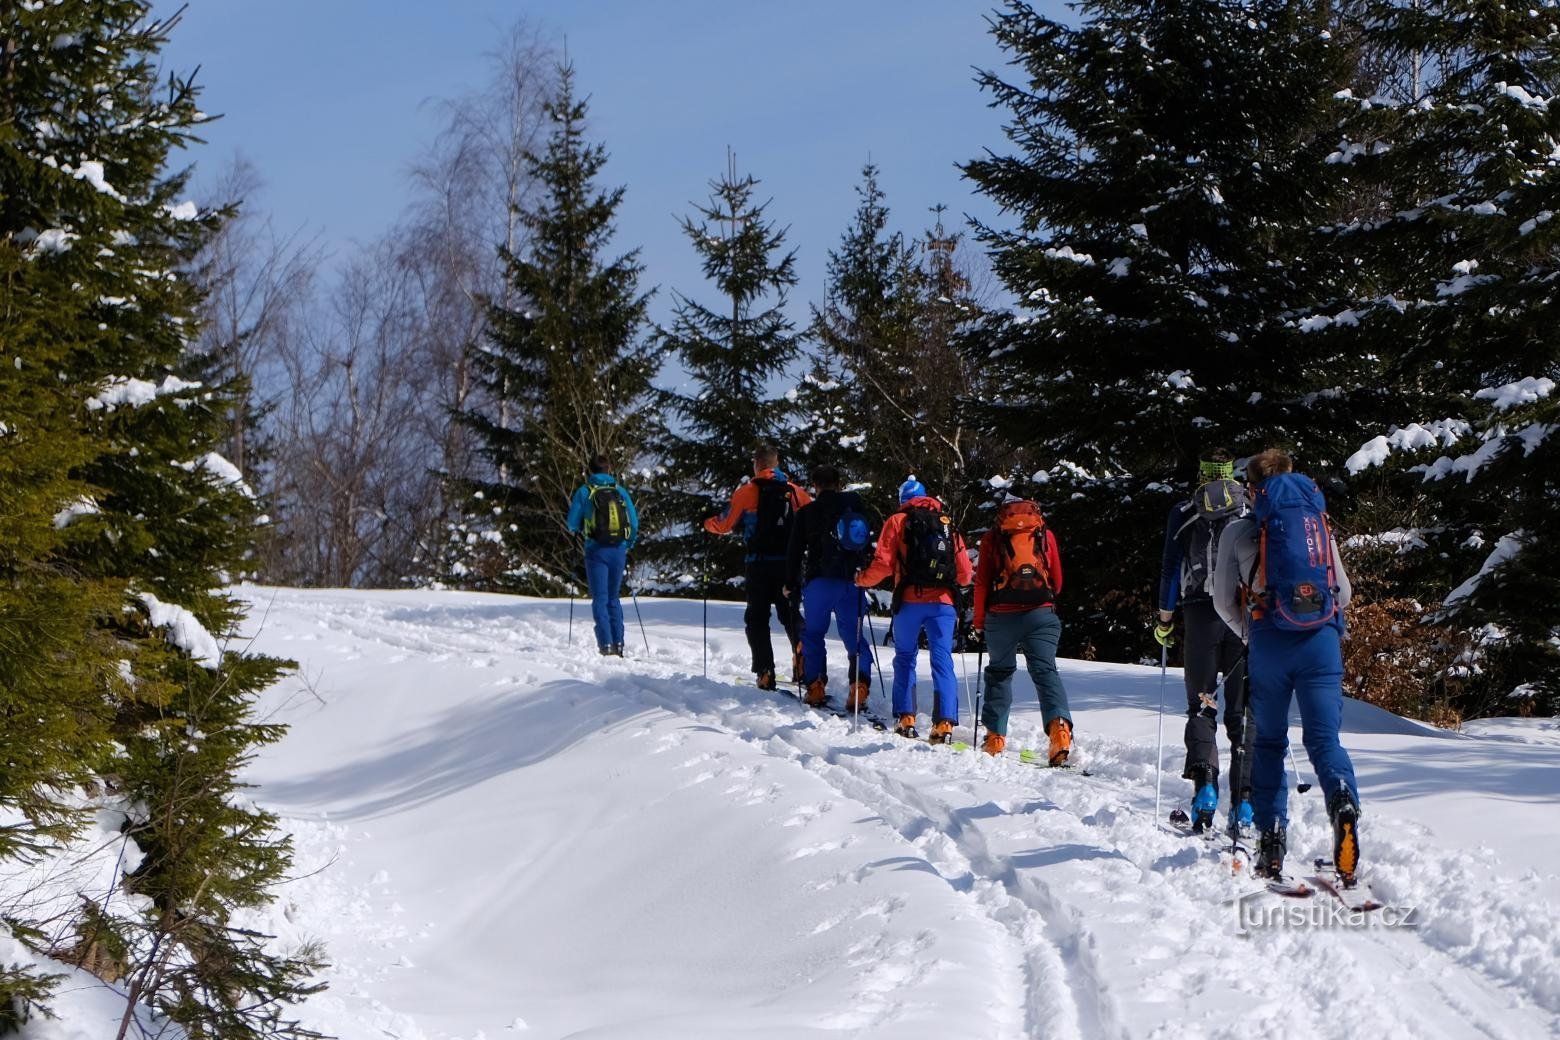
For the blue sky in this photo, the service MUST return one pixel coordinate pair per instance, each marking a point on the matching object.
(329, 99)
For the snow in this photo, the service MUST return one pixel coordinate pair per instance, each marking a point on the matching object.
(1524, 391)
(91, 171)
(186, 210)
(220, 469)
(1412, 437)
(79, 508)
(54, 240)
(184, 630)
(134, 393)
(495, 826)
(1522, 97)
(1067, 253)
(1508, 546)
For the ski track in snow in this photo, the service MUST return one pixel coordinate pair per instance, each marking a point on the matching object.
(1100, 923)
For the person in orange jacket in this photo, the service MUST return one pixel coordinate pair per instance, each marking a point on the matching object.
(927, 560)
(762, 509)
(1016, 586)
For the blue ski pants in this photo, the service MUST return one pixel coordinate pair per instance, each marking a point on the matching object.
(1038, 631)
(1307, 666)
(841, 600)
(604, 566)
(938, 619)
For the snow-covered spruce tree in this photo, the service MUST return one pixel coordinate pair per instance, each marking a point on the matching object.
(1464, 463)
(732, 353)
(88, 138)
(565, 368)
(870, 327)
(1170, 169)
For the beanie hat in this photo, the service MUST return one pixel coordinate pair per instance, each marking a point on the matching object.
(911, 488)
(1207, 470)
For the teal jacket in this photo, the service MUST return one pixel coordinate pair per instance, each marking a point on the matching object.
(580, 509)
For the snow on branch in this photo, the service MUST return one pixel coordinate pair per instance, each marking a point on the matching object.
(127, 390)
(1412, 437)
(1524, 391)
(184, 630)
(1505, 549)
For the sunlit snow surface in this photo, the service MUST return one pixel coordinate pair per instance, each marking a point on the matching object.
(502, 834)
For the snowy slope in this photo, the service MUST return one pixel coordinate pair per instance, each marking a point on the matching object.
(500, 834)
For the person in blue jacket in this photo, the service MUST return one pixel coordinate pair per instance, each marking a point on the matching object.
(603, 511)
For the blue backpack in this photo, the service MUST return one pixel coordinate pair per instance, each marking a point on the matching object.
(1294, 555)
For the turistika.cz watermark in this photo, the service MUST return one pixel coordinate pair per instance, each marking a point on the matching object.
(1262, 911)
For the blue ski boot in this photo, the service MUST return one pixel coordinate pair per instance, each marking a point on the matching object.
(1205, 802)
(1241, 818)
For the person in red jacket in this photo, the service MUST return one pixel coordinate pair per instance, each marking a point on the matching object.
(927, 560)
(763, 508)
(1016, 587)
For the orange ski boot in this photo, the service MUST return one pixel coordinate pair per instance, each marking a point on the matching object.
(1060, 731)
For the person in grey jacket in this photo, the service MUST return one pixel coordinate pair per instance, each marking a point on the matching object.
(1289, 658)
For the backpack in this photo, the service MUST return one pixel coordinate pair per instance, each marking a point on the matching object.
(608, 520)
(1294, 566)
(771, 532)
(928, 549)
(1212, 506)
(1022, 574)
(839, 548)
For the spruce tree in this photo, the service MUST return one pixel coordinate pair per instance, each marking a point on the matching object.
(1169, 176)
(733, 354)
(1460, 466)
(565, 368)
(869, 326)
(89, 138)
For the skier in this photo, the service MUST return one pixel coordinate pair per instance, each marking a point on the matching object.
(832, 535)
(1192, 535)
(926, 558)
(1280, 583)
(603, 511)
(1016, 585)
(764, 508)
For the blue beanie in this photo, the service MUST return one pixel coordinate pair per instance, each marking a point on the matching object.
(911, 488)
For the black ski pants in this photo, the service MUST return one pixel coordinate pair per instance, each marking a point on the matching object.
(765, 589)
(1212, 649)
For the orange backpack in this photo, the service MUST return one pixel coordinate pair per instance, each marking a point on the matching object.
(1022, 576)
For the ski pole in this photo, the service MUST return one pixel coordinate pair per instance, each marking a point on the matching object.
(1301, 788)
(855, 663)
(1159, 756)
(876, 665)
(633, 595)
(980, 657)
(571, 615)
(706, 621)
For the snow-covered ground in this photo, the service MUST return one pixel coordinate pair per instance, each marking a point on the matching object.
(500, 834)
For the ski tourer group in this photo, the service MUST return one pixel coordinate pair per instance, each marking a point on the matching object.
(1251, 567)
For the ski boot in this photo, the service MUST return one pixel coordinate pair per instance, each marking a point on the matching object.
(942, 732)
(765, 681)
(856, 699)
(605, 650)
(1241, 821)
(1205, 799)
(817, 694)
(797, 664)
(1060, 732)
(906, 727)
(1270, 854)
(616, 650)
(994, 744)
(1345, 816)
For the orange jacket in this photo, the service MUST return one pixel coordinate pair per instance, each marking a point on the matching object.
(743, 509)
(888, 560)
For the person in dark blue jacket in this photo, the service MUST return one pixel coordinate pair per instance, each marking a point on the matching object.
(1192, 533)
(603, 511)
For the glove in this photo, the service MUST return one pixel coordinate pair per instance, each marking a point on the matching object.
(976, 638)
(964, 597)
(1164, 635)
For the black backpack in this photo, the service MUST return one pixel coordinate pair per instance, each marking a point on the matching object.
(771, 534)
(1213, 506)
(608, 515)
(928, 547)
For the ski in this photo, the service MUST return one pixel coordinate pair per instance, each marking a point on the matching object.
(872, 719)
(1028, 756)
(1357, 897)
